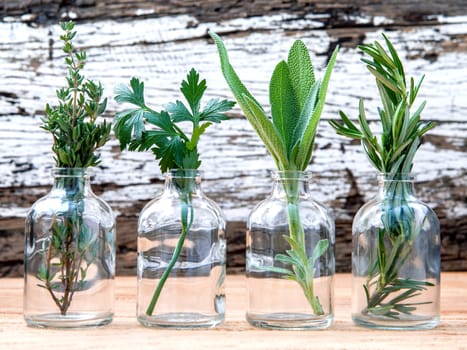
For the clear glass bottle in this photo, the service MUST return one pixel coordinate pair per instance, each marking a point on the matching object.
(69, 256)
(396, 259)
(290, 257)
(181, 257)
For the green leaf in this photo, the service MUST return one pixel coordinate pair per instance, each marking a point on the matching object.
(385, 80)
(214, 110)
(129, 125)
(163, 121)
(306, 112)
(285, 259)
(252, 109)
(133, 95)
(193, 90)
(278, 270)
(284, 106)
(266, 131)
(305, 152)
(179, 112)
(319, 250)
(395, 57)
(170, 154)
(301, 71)
(191, 160)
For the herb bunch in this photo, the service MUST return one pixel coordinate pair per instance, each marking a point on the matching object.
(392, 154)
(297, 101)
(73, 123)
(76, 137)
(141, 128)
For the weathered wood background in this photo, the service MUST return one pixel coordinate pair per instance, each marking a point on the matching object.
(160, 40)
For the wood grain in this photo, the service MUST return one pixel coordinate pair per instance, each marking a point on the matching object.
(162, 41)
(236, 333)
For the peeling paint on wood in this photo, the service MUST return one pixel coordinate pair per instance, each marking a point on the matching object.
(161, 47)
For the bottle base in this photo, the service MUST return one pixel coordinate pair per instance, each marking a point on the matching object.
(69, 321)
(288, 321)
(180, 320)
(420, 323)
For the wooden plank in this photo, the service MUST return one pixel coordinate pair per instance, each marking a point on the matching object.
(236, 333)
(332, 13)
(31, 68)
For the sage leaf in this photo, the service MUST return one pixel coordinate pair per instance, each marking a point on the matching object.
(301, 71)
(284, 106)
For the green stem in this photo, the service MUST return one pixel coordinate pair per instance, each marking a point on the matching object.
(297, 234)
(186, 225)
(398, 231)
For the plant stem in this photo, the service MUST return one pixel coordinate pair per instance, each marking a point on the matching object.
(68, 250)
(187, 216)
(297, 234)
(399, 231)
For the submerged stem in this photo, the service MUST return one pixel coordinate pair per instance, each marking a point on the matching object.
(303, 269)
(187, 215)
(394, 246)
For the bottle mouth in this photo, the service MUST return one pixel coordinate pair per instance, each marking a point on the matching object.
(291, 175)
(184, 173)
(70, 172)
(409, 177)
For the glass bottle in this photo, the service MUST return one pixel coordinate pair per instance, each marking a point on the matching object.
(69, 256)
(396, 259)
(290, 257)
(181, 256)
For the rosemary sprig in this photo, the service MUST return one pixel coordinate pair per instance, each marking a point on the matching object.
(392, 154)
(297, 100)
(76, 138)
(174, 148)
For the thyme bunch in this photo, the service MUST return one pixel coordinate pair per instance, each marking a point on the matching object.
(76, 137)
(73, 122)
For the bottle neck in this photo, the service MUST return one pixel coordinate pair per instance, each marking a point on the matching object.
(290, 185)
(400, 186)
(74, 182)
(185, 183)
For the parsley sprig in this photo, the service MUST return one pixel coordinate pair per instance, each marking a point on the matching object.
(141, 128)
(174, 148)
(297, 100)
(392, 154)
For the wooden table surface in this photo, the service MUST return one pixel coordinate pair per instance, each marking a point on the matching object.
(126, 333)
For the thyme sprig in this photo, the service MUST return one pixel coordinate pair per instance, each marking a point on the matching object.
(393, 155)
(73, 123)
(296, 100)
(142, 128)
(76, 137)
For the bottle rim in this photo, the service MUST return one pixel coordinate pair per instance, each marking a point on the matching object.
(184, 173)
(70, 172)
(409, 177)
(302, 175)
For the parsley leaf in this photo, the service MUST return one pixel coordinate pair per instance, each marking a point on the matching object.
(193, 90)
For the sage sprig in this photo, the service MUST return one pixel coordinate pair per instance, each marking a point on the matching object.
(393, 155)
(77, 135)
(296, 100)
(141, 128)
